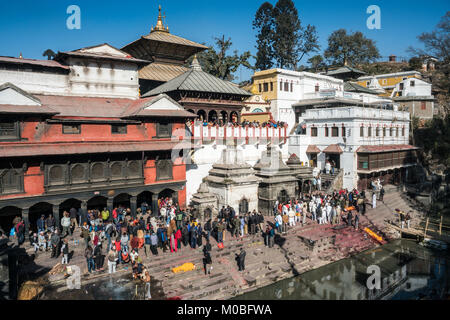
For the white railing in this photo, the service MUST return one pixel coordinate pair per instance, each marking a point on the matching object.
(248, 133)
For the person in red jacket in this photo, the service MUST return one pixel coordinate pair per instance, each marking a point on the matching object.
(178, 236)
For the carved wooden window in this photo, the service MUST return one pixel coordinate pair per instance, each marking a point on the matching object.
(164, 170)
(71, 128)
(134, 169)
(98, 171)
(163, 130)
(119, 129)
(9, 130)
(116, 170)
(11, 181)
(56, 174)
(78, 173)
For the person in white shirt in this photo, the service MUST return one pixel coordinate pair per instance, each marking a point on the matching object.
(291, 217)
(279, 220)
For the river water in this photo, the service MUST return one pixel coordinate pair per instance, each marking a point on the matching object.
(407, 271)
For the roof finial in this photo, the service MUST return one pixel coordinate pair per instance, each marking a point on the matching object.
(196, 64)
(21, 56)
(160, 24)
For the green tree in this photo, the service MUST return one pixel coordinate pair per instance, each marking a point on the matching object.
(308, 41)
(350, 49)
(264, 23)
(219, 63)
(316, 62)
(287, 30)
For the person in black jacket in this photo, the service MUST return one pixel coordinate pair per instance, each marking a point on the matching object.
(98, 257)
(241, 260)
(208, 229)
(207, 258)
(185, 235)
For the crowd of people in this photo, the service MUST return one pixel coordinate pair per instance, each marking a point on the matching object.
(243, 124)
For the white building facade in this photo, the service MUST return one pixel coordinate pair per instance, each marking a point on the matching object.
(340, 134)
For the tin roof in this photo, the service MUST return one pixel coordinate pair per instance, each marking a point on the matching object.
(162, 71)
(30, 149)
(385, 148)
(343, 70)
(15, 109)
(199, 81)
(33, 62)
(170, 38)
(354, 87)
(312, 149)
(334, 148)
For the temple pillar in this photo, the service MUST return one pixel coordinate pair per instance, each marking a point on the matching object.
(133, 204)
(56, 215)
(155, 209)
(26, 221)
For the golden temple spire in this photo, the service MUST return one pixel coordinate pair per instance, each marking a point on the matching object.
(160, 24)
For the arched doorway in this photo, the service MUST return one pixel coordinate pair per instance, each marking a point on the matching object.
(69, 204)
(97, 203)
(212, 116)
(41, 208)
(201, 115)
(122, 200)
(224, 116)
(7, 215)
(144, 200)
(234, 116)
(283, 196)
(243, 206)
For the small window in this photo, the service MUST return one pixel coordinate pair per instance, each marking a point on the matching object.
(260, 88)
(313, 132)
(377, 131)
(335, 132)
(402, 86)
(343, 131)
(384, 132)
(361, 132)
(403, 131)
(317, 88)
(9, 130)
(119, 129)
(326, 132)
(423, 105)
(292, 87)
(286, 86)
(281, 85)
(271, 86)
(164, 130)
(369, 131)
(397, 130)
(413, 83)
(71, 128)
(392, 132)
(266, 87)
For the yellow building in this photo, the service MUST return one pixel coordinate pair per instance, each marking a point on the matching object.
(265, 83)
(390, 80)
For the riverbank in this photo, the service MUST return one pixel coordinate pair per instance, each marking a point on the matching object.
(292, 255)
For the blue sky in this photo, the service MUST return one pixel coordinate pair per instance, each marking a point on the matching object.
(32, 26)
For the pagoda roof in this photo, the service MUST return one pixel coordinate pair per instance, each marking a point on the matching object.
(198, 81)
(163, 72)
(160, 43)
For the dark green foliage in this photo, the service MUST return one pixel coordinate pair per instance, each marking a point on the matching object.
(264, 23)
(350, 49)
(221, 65)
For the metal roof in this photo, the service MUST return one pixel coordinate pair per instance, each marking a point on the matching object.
(15, 109)
(170, 38)
(161, 71)
(385, 148)
(334, 148)
(312, 149)
(82, 147)
(344, 69)
(197, 80)
(354, 87)
(42, 63)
